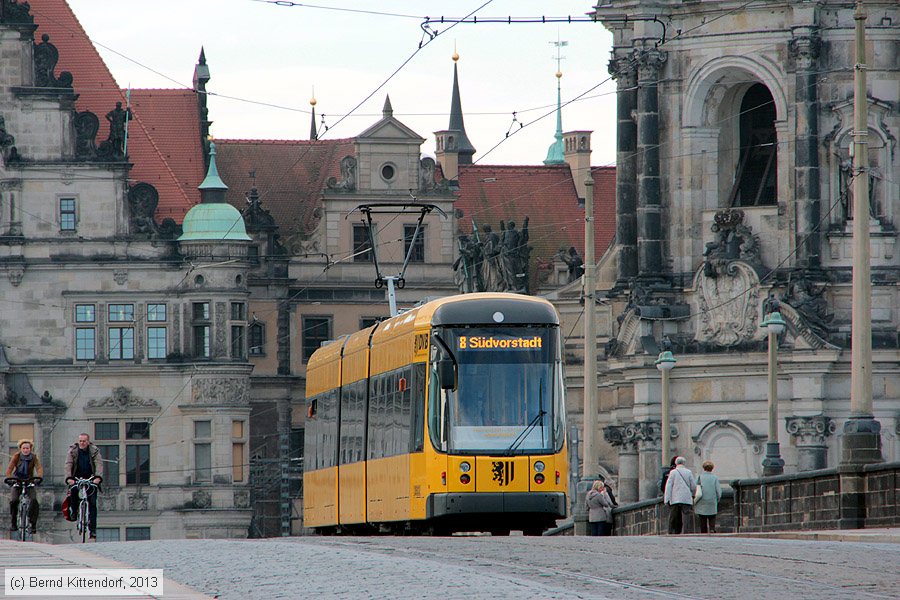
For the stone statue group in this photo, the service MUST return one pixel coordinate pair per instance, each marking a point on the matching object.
(491, 262)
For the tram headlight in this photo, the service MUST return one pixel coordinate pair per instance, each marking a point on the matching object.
(539, 478)
(465, 467)
(539, 466)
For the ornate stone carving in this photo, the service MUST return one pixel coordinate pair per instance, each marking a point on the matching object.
(15, 274)
(107, 502)
(12, 12)
(201, 499)
(223, 390)
(6, 140)
(649, 61)
(348, 176)
(143, 200)
(734, 241)
(630, 434)
(86, 127)
(808, 299)
(122, 399)
(805, 50)
(45, 58)
(120, 276)
(727, 305)
(242, 499)
(810, 430)
(257, 217)
(138, 501)
(221, 341)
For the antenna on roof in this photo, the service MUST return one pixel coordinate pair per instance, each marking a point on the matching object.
(127, 112)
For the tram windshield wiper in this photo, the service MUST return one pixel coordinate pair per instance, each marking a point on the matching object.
(524, 435)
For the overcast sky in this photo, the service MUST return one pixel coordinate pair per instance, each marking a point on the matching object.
(261, 52)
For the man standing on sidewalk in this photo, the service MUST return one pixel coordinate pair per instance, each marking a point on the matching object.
(679, 494)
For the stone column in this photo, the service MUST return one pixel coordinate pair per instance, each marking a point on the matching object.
(622, 438)
(649, 210)
(804, 49)
(640, 443)
(809, 436)
(623, 71)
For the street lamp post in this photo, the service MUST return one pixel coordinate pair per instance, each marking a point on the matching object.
(773, 464)
(665, 363)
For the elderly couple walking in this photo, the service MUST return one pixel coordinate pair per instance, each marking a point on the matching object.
(680, 494)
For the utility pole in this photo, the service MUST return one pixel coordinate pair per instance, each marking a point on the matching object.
(862, 433)
(590, 468)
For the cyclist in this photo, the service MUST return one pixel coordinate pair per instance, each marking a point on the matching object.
(83, 460)
(24, 465)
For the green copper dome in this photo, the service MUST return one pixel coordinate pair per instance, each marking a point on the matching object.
(213, 219)
(213, 222)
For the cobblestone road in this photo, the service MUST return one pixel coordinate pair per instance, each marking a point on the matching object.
(519, 567)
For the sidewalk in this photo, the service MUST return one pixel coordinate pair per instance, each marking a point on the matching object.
(887, 535)
(30, 555)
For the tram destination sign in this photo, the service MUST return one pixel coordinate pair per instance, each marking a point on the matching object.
(495, 342)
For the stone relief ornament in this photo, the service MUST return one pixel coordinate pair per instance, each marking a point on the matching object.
(225, 390)
(138, 501)
(727, 283)
(810, 430)
(143, 200)
(45, 58)
(633, 433)
(201, 499)
(348, 176)
(122, 399)
(86, 127)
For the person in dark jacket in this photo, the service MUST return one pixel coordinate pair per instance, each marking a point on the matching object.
(24, 465)
(84, 461)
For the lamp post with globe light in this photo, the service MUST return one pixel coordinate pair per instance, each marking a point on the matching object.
(665, 363)
(773, 464)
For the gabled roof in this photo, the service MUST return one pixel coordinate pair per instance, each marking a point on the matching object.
(170, 117)
(98, 92)
(290, 176)
(544, 194)
(389, 128)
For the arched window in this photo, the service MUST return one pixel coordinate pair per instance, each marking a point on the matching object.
(755, 180)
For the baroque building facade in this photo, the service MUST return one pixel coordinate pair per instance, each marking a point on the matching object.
(115, 323)
(733, 190)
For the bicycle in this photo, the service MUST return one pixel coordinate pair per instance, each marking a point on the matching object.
(24, 502)
(84, 487)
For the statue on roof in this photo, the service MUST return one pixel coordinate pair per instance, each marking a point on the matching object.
(348, 176)
(514, 256)
(491, 264)
(573, 261)
(114, 146)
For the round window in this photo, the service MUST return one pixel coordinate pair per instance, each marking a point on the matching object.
(198, 280)
(388, 172)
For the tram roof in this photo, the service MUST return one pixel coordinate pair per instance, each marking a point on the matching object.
(480, 308)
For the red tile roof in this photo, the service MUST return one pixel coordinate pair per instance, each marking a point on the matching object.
(289, 175)
(170, 117)
(98, 92)
(544, 194)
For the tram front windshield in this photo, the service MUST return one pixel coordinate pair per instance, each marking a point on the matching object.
(508, 395)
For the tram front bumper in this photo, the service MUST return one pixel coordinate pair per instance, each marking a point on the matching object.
(548, 503)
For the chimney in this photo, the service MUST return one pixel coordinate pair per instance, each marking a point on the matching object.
(577, 152)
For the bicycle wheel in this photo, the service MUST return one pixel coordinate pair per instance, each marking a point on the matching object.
(23, 516)
(83, 520)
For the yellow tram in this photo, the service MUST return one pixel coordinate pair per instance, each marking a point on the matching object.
(448, 417)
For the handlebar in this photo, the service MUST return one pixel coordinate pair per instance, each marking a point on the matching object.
(27, 482)
(87, 481)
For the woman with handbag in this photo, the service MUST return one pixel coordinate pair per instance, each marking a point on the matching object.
(707, 504)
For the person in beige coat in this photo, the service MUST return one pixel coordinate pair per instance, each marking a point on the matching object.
(599, 507)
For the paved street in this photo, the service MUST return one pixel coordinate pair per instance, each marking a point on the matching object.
(502, 568)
